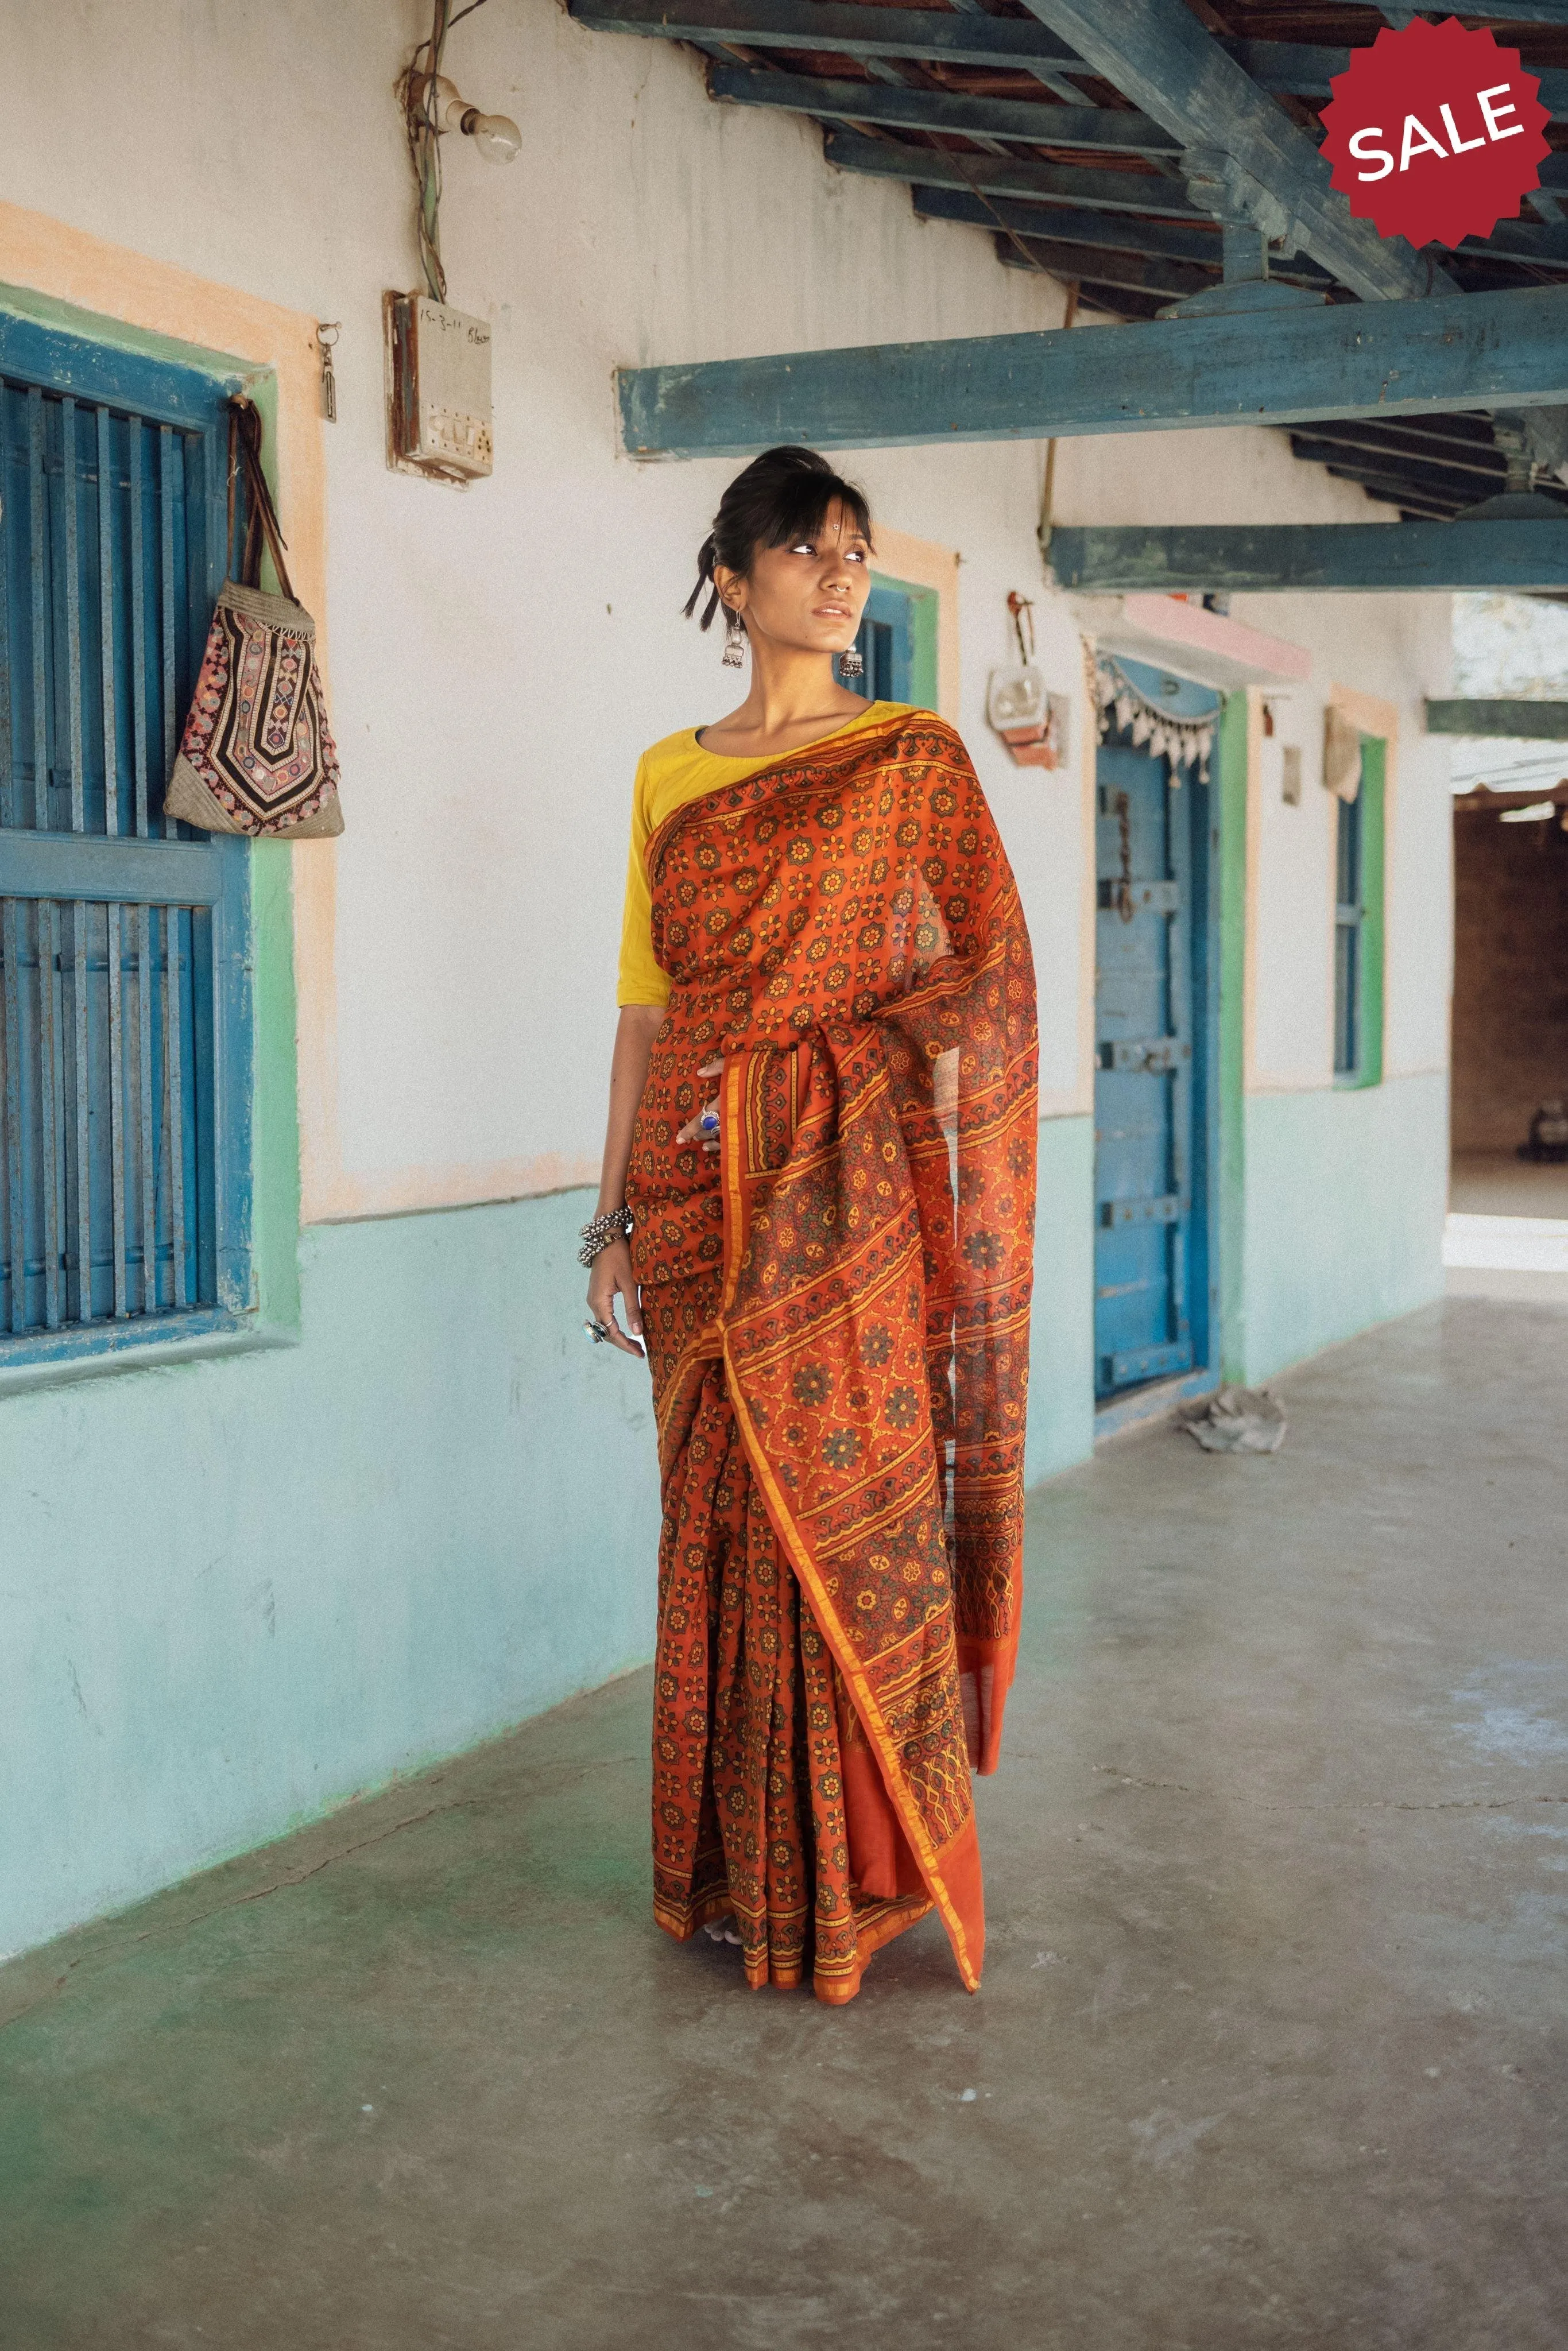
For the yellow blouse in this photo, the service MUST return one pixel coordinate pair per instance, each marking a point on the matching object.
(669, 775)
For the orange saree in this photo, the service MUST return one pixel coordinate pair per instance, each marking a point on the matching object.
(836, 1308)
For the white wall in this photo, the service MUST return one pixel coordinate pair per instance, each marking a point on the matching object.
(1397, 648)
(498, 657)
(1515, 646)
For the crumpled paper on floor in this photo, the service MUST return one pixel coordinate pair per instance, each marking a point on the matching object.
(1236, 1420)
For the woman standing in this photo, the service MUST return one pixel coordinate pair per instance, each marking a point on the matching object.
(821, 1143)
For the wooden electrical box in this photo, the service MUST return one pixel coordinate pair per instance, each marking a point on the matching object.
(438, 390)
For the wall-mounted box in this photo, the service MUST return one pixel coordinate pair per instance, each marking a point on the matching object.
(438, 390)
(1033, 722)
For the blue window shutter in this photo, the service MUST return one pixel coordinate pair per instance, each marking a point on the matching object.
(125, 1002)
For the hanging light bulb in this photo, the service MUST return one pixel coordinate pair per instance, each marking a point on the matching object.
(497, 136)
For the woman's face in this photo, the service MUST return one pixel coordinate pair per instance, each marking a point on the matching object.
(807, 596)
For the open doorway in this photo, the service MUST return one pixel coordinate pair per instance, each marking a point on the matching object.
(1509, 1046)
(1509, 1085)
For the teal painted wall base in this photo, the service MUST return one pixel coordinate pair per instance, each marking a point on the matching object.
(1062, 1329)
(238, 1593)
(1345, 1195)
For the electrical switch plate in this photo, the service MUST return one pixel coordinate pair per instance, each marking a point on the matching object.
(438, 390)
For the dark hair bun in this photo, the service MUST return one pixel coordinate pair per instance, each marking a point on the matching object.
(782, 495)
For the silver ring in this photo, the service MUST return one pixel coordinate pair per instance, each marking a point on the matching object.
(597, 1332)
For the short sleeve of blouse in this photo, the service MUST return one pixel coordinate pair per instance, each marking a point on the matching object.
(640, 979)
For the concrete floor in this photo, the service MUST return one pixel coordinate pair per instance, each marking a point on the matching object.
(1271, 2048)
(1501, 1185)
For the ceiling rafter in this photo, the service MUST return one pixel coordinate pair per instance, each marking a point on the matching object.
(1047, 131)
(1104, 188)
(1039, 122)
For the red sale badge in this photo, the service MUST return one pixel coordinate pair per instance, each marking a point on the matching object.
(1435, 133)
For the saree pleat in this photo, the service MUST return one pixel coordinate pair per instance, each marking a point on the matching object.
(837, 1315)
(751, 1809)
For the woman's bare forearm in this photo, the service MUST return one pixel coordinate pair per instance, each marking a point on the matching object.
(638, 1025)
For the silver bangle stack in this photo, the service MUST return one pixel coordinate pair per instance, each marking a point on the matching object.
(599, 1233)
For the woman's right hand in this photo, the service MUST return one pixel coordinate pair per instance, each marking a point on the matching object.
(609, 1276)
(694, 1130)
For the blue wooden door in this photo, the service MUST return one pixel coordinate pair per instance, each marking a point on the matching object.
(1147, 1210)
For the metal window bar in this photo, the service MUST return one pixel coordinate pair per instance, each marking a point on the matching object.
(110, 1010)
(40, 575)
(103, 545)
(107, 1150)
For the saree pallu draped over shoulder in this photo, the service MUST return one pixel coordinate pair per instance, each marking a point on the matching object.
(837, 1313)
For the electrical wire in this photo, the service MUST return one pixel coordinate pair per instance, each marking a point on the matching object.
(422, 122)
(421, 113)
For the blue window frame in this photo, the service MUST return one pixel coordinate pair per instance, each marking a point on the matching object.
(125, 1001)
(886, 647)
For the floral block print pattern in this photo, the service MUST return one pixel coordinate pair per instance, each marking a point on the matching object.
(852, 1278)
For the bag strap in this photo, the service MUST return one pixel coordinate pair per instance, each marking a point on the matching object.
(245, 451)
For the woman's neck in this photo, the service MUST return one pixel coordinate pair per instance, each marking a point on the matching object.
(792, 699)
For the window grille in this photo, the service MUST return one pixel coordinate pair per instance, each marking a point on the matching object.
(124, 992)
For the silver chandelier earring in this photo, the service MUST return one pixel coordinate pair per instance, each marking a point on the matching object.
(734, 639)
(850, 665)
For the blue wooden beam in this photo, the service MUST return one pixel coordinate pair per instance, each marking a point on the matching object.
(1012, 175)
(1157, 53)
(1305, 69)
(1545, 247)
(1285, 367)
(1330, 556)
(1086, 225)
(846, 30)
(1521, 721)
(1023, 180)
(1102, 266)
(1119, 233)
(1097, 129)
(1509, 12)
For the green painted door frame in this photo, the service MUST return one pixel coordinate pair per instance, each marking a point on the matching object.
(1231, 860)
(1373, 858)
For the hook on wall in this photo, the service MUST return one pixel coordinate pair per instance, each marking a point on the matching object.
(327, 333)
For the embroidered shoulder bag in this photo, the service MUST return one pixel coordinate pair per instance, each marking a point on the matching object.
(258, 755)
